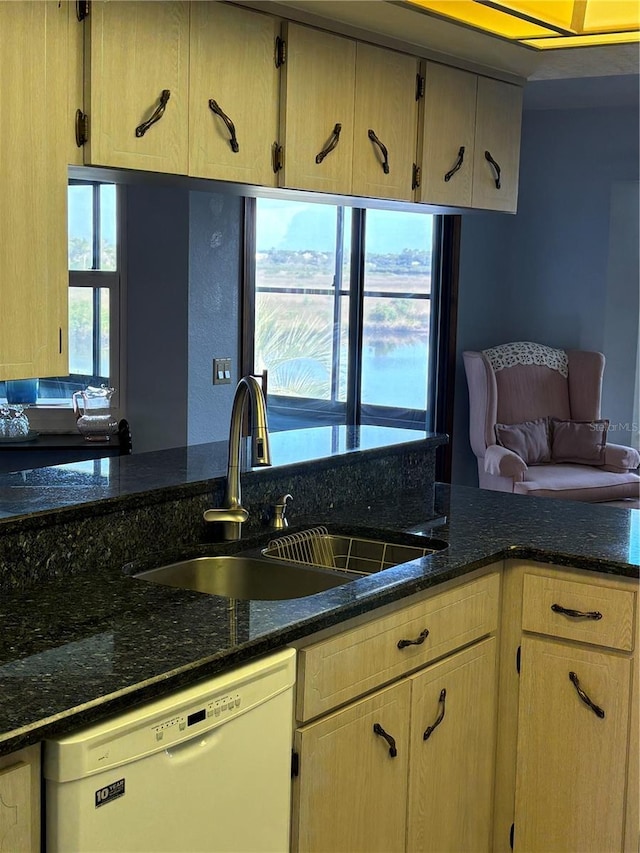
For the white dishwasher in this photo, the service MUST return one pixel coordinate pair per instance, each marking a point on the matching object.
(206, 769)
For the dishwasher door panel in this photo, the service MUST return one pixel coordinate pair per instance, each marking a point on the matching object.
(227, 789)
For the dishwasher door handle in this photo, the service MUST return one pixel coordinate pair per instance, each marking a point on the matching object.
(195, 746)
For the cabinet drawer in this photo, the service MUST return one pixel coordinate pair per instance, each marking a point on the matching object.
(544, 596)
(336, 670)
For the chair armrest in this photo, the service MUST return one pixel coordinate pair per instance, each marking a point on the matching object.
(619, 458)
(503, 463)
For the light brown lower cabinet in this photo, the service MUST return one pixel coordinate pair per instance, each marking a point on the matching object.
(20, 801)
(567, 762)
(572, 748)
(409, 767)
(452, 753)
(353, 782)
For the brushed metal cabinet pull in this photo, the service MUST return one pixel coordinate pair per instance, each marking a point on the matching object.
(233, 142)
(378, 730)
(597, 710)
(430, 729)
(157, 113)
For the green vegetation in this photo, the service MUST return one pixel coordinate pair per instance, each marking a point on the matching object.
(295, 348)
(294, 330)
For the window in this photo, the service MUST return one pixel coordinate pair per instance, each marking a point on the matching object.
(94, 284)
(342, 308)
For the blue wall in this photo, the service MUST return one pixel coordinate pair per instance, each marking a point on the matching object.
(156, 319)
(182, 285)
(215, 241)
(564, 270)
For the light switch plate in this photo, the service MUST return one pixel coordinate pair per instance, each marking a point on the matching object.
(222, 371)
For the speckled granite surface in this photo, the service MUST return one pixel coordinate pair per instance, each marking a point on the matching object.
(82, 644)
(71, 519)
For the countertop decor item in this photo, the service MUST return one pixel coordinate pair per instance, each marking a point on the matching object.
(92, 408)
(22, 391)
(14, 424)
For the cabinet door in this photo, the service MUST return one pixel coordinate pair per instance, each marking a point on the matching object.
(317, 108)
(385, 110)
(498, 122)
(351, 794)
(453, 714)
(232, 63)
(448, 123)
(75, 71)
(137, 52)
(15, 809)
(33, 195)
(571, 762)
(20, 801)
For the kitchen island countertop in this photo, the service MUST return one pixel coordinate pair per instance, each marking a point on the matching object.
(79, 648)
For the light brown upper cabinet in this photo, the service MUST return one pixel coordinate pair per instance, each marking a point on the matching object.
(448, 119)
(496, 160)
(233, 94)
(75, 70)
(348, 116)
(136, 85)
(469, 140)
(317, 110)
(34, 148)
(386, 117)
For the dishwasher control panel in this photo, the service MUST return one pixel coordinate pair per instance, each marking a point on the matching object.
(213, 709)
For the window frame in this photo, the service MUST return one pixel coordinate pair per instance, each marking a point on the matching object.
(56, 416)
(442, 296)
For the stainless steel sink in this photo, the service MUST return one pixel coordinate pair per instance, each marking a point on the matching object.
(354, 554)
(245, 577)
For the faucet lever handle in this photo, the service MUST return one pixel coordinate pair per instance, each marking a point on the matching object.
(278, 520)
(234, 514)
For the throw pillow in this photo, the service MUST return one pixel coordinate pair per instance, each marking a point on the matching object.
(582, 442)
(530, 440)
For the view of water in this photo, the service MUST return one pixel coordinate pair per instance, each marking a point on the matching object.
(396, 379)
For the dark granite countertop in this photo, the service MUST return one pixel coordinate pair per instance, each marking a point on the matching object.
(27, 495)
(82, 647)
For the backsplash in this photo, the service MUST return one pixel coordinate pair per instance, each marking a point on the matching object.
(98, 535)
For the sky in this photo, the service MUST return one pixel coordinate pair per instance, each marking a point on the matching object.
(298, 225)
(281, 224)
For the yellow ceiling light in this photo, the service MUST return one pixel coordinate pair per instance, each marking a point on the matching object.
(544, 24)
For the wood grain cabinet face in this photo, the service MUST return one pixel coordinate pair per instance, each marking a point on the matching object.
(336, 670)
(567, 758)
(15, 809)
(498, 124)
(75, 71)
(448, 113)
(232, 62)
(385, 106)
(134, 52)
(578, 611)
(33, 199)
(571, 762)
(317, 95)
(463, 117)
(451, 778)
(433, 794)
(352, 794)
(20, 801)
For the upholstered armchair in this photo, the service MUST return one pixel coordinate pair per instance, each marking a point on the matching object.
(535, 425)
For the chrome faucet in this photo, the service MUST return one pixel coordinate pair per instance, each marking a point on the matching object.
(232, 514)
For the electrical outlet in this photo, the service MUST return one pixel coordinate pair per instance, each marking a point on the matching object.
(222, 371)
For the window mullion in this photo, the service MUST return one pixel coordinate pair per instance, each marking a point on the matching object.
(356, 307)
(337, 289)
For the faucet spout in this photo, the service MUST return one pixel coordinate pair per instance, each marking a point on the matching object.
(232, 514)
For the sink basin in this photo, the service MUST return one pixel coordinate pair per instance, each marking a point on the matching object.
(354, 554)
(245, 577)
